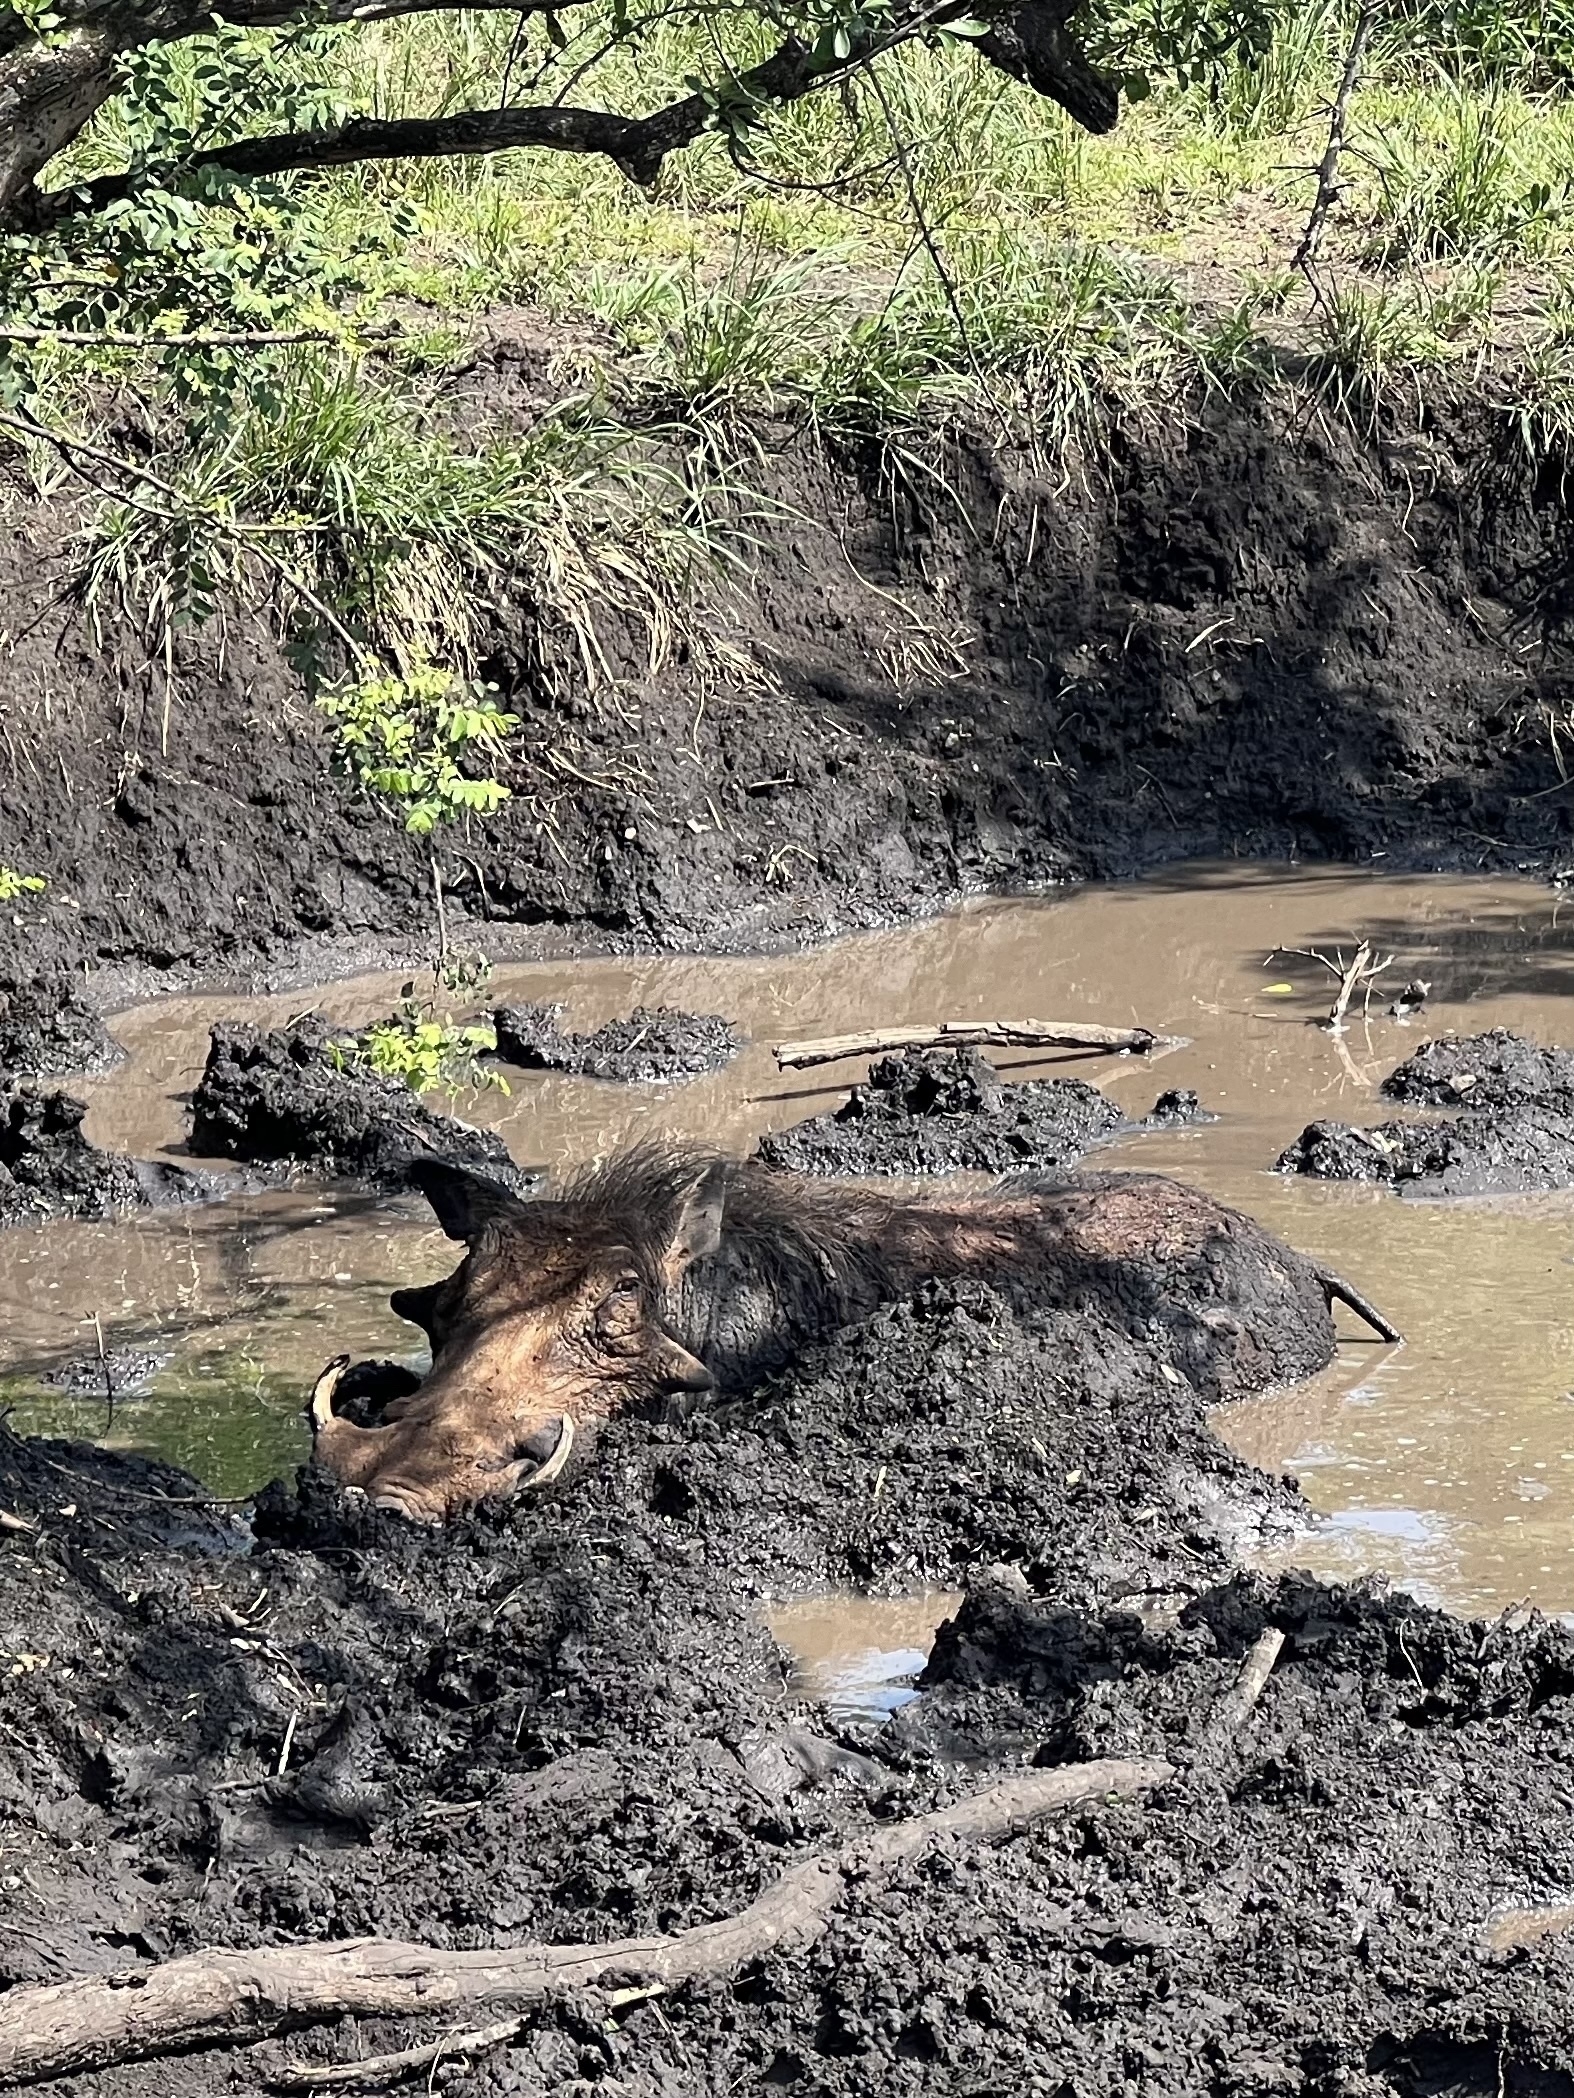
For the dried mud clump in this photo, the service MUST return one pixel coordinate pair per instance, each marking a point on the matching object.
(656, 1043)
(947, 1111)
(1508, 1125)
(293, 1097)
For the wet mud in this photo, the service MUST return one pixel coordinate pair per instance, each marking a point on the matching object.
(946, 1111)
(655, 1044)
(1508, 1129)
(567, 1721)
(296, 1098)
(49, 1030)
(48, 1168)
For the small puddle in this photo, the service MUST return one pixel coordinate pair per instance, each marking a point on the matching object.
(1448, 1462)
(859, 1655)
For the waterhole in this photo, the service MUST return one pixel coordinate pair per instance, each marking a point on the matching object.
(1448, 1462)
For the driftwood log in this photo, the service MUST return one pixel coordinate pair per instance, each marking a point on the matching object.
(981, 1034)
(218, 1998)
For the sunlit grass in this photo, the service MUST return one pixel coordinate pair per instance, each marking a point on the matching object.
(949, 248)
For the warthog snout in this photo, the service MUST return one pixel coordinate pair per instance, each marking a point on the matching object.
(551, 1319)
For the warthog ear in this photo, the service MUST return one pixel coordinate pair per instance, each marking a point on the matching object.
(698, 1228)
(464, 1203)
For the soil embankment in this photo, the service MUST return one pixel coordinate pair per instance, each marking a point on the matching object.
(1258, 633)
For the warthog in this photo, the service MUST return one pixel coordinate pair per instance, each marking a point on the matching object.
(670, 1271)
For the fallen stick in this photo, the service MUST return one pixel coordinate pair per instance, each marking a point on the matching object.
(1234, 1708)
(1000, 1034)
(379, 2069)
(8, 1521)
(209, 1998)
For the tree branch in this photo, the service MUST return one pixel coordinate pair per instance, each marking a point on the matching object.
(1033, 46)
(638, 145)
(208, 1998)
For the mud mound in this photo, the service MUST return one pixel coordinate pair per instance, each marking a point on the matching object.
(49, 1169)
(1512, 1131)
(119, 1373)
(565, 1721)
(655, 1042)
(290, 1097)
(946, 1111)
(1386, 1763)
(1497, 1069)
(46, 1031)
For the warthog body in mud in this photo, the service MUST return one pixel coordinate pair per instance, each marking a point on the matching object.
(668, 1271)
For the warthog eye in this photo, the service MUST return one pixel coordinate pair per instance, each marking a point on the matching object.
(621, 1311)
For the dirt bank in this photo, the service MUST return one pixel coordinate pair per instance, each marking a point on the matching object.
(1256, 632)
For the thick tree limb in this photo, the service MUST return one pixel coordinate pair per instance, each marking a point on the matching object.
(1033, 45)
(212, 1998)
(961, 1034)
(638, 145)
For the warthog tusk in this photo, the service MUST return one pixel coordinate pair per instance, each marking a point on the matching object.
(544, 1474)
(319, 1410)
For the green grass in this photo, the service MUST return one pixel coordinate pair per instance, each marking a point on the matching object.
(1049, 282)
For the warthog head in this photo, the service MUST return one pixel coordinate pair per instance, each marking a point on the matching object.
(553, 1317)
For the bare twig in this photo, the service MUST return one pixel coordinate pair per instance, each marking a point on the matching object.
(378, 2069)
(15, 1523)
(1352, 974)
(1002, 1034)
(1361, 966)
(209, 1998)
(1328, 167)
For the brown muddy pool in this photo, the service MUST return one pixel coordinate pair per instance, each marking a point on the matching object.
(1448, 1462)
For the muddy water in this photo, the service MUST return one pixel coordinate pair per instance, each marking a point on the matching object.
(858, 1655)
(1449, 1461)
